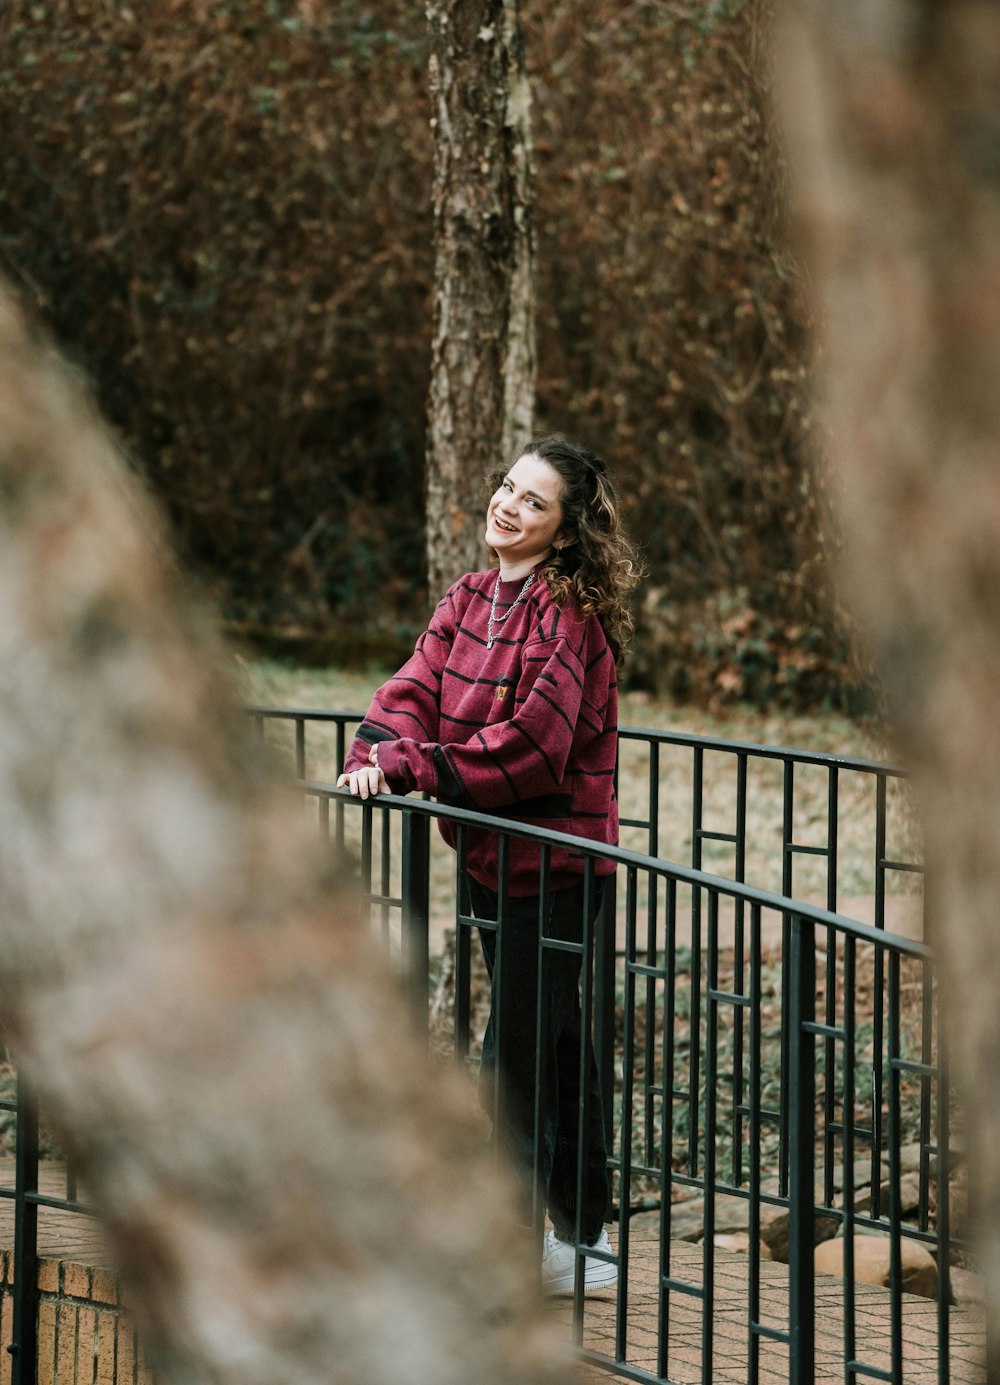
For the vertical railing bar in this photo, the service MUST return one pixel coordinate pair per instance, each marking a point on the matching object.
(753, 1288)
(300, 748)
(605, 1017)
(338, 813)
(499, 1027)
(653, 806)
(627, 1098)
(878, 993)
(926, 1093)
(943, 1212)
(787, 827)
(415, 912)
(323, 805)
(652, 933)
(384, 874)
(607, 940)
(697, 804)
(801, 1154)
(463, 951)
(742, 762)
(366, 850)
(850, 1097)
(711, 1071)
(832, 838)
(23, 1348)
(880, 845)
(649, 1042)
(787, 838)
(830, 1069)
(541, 1086)
(583, 1120)
(667, 1122)
(829, 1046)
(694, 1092)
(739, 963)
(895, 1209)
(694, 1056)
(802, 1081)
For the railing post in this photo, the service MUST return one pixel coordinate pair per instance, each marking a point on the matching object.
(24, 1346)
(415, 939)
(801, 1107)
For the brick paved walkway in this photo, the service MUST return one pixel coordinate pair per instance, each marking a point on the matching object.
(75, 1238)
(730, 1333)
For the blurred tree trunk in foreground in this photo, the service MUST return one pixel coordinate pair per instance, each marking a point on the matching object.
(292, 1194)
(892, 116)
(482, 386)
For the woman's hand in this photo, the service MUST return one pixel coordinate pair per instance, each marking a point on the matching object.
(366, 781)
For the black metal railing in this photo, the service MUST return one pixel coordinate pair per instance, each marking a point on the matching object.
(731, 1090)
(771, 1061)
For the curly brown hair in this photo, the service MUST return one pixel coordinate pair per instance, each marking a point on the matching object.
(597, 565)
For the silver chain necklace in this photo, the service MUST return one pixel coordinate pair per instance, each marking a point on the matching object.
(498, 620)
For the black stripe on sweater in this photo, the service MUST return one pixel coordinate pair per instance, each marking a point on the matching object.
(373, 735)
(450, 788)
(537, 748)
(431, 692)
(554, 705)
(401, 712)
(572, 673)
(510, 783)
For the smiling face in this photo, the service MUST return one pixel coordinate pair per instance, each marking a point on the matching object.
(524, 516)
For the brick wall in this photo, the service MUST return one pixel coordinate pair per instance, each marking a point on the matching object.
(85, 1336)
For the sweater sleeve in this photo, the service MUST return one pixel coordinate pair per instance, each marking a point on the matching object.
(509, 761)
(408, 704)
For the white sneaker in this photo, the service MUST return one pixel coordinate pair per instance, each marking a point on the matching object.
(559, 1266)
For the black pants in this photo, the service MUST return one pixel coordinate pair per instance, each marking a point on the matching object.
(515, 992)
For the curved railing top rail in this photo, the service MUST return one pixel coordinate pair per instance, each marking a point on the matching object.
(635, 860)
(765, 752)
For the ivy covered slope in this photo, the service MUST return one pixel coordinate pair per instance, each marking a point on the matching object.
(224, 211)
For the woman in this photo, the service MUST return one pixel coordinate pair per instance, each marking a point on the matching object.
(509, 705)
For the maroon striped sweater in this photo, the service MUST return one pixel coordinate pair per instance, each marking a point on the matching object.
(527, 729)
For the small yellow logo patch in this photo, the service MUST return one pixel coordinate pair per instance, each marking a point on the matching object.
(502, 690)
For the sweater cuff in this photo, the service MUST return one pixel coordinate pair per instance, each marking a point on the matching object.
(392, 763)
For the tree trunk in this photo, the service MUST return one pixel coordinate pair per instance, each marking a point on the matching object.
(892, 116)
(292, 1194)
(483, 366)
